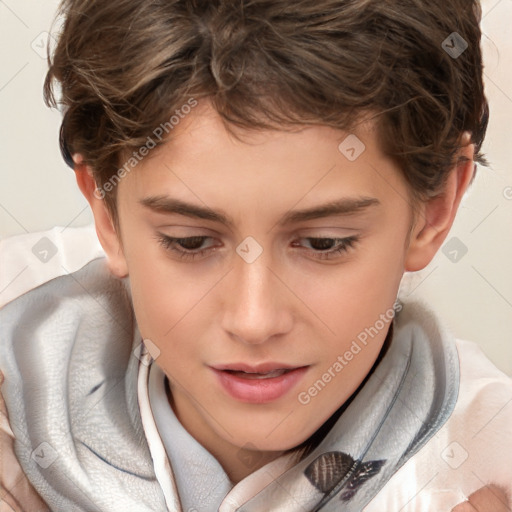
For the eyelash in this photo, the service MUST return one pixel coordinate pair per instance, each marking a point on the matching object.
(169, 243)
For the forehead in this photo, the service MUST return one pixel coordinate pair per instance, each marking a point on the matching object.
(205, 162)
(203, 130)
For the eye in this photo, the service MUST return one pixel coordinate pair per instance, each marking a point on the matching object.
(329, 248)
(193, 247)
(188, 248)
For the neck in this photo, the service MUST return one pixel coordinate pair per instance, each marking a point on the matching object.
(237, 462)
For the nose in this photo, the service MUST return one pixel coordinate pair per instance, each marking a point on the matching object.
(258, 306)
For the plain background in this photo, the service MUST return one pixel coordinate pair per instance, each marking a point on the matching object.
(469, 283)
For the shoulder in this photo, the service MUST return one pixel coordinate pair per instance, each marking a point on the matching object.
(28, 261)
(31, 259)
(476, 368)
(67, 352)
(16, 490)
(471, 450)
(42, 282)
(482, 419)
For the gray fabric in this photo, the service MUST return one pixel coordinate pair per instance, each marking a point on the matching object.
(66, 350)
(201, 480)
(70, 381)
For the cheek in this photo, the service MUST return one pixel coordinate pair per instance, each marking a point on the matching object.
(353, 295)
(171, 308)
(356, 305)
(163, 296)
(172, 317)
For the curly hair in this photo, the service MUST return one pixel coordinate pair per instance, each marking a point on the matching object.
(124, 66)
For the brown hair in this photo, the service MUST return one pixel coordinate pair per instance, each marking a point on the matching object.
(124, 66)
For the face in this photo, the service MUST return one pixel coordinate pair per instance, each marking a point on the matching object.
(255, 265)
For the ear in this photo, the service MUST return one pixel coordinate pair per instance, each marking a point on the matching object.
(105, 228)
(436, 216)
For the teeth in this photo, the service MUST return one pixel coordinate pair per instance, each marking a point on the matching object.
(270, 375)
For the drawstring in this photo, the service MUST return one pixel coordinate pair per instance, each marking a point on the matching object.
(162, 466)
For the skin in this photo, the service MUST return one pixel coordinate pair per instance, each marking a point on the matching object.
(490, 498)
(291, 305)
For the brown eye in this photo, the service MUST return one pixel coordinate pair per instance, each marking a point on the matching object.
(185, 248)
(329, 248)
(191, 243)
(322, 244)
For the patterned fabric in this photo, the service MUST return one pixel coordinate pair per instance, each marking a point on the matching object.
(74, 389)
(332, 469)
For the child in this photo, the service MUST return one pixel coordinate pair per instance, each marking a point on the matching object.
(261, 174)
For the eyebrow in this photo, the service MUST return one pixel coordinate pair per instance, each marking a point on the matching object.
(343, 206)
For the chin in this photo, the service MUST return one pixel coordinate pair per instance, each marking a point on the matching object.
(259, 441)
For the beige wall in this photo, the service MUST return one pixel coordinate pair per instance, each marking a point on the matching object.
(474, 294)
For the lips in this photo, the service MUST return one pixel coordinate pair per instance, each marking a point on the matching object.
(258, 375)
(259, 383)
(261, 368)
